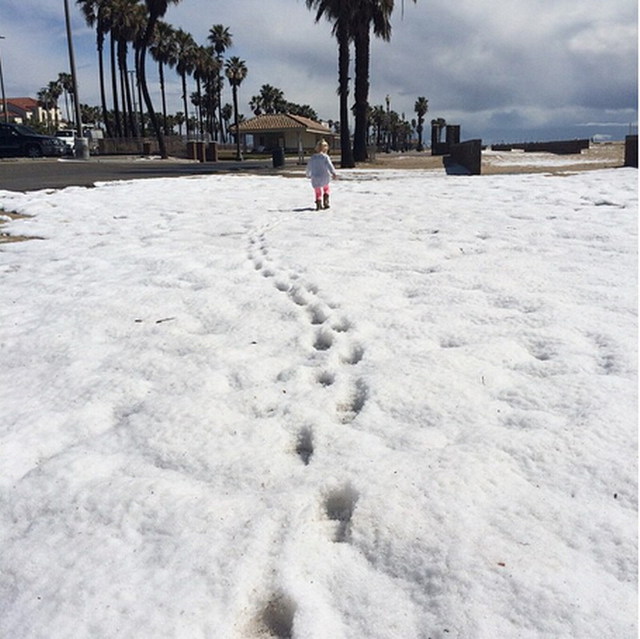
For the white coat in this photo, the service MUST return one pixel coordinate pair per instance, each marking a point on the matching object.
(320, 169)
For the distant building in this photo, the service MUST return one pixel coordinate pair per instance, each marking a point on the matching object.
(293, 133)
(28, 110)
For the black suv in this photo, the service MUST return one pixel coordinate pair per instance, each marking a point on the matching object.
(17, 139)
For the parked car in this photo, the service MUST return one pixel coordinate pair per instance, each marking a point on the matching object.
(18, 139)
(68, 136)
(91, 136)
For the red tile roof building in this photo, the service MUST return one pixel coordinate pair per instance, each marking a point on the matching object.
(25, 110)
(284, 130)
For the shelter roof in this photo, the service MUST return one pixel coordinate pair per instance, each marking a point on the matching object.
(280, 121)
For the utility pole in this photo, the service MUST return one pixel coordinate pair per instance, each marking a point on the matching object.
(5, 108)
(81, 146)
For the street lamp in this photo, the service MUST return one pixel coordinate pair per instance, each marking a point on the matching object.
(5, 108)
(81, 146)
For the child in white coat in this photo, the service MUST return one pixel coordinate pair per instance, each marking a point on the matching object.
(320, 169)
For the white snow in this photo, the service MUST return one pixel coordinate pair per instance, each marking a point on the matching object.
(224, 415)
(537, 159)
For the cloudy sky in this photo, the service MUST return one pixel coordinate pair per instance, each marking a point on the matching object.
(510, 70)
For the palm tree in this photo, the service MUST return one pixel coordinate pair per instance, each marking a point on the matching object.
(376, 14)
(112, 63)
(45, 101)
(378, 117)
(205, 68)
(155, 10)
(366, 15)
(212, 90)
(178, 119)
(165, 52)
(128, 23)
(90, 114)
(227, 114)
(339, 12)
(184, 46)
(269, 100)
(124, 20)
(236, 71)
(421, 107)
(94, 14)
(221, 39)
(55, 91)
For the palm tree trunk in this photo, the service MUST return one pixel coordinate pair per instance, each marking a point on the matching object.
(346, 155)
(142, 78)
(184, 100)
(134, 116)
(143, 128)
(237, 123)
(114, 86)
(164, 97)
(127, 104)
(362, 42)
(199, 91)
(223, 137)
(123, 104)
(103, 98)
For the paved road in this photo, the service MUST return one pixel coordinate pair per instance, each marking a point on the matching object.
(25, 174)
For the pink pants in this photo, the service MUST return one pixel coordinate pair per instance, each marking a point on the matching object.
(319, 190)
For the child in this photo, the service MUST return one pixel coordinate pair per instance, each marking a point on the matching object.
(320, 169)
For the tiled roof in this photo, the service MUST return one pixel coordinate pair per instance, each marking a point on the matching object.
(23, 103)
(280, 121)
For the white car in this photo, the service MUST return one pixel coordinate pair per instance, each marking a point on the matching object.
(68, 137)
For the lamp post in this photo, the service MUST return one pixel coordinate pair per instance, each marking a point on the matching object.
(5, 109)
(81, 146)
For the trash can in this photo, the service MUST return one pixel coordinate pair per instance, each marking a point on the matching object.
(278, 157)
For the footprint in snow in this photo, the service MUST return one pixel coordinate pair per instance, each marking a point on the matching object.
(352, 405)
(339, 506)
(304, 445)
(282, 285)
(318, 313)
(325, 378)
(353, 355)
(299, 295)
(323, 341)
(276, 618)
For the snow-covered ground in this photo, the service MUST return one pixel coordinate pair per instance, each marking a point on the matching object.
(224, 415)
(540, 159)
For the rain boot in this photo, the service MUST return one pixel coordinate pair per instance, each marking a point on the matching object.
(325, 200)
(318, 205)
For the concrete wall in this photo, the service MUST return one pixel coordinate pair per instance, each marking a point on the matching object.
(560, 147)
(556, 146)
(176, 146)
(631, 151)
(467, 155)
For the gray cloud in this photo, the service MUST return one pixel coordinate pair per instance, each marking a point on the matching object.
(527, 66)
